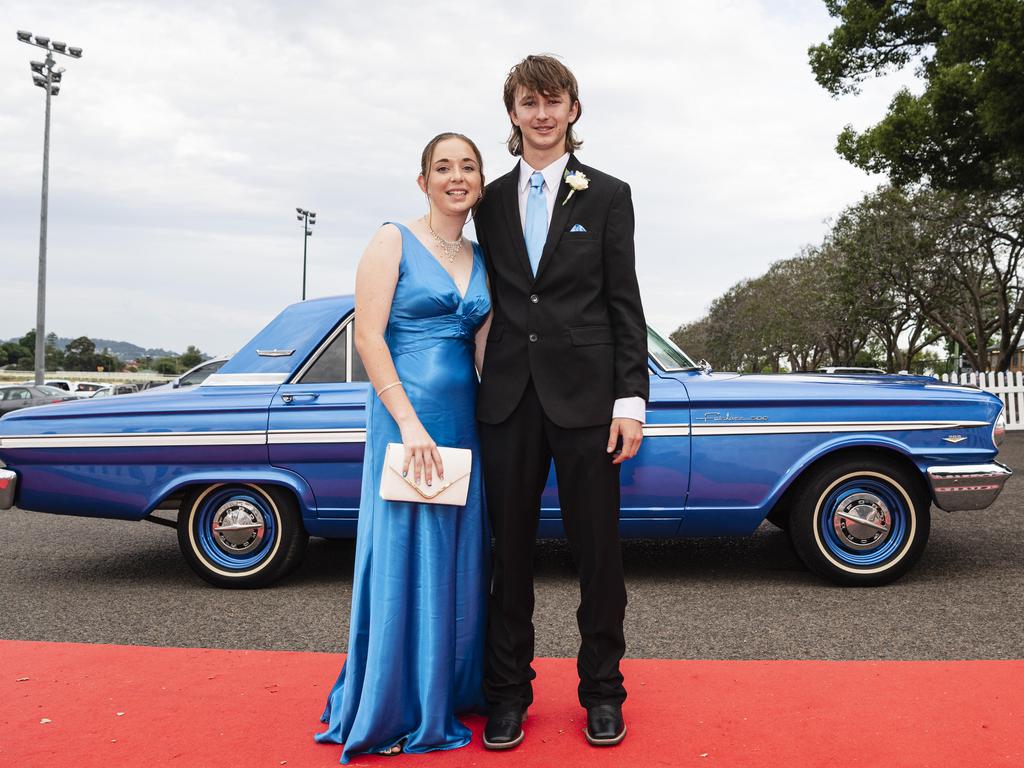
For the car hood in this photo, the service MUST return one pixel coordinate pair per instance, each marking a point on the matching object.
(826, 387)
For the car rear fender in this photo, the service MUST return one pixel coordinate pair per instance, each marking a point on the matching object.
(262, 476)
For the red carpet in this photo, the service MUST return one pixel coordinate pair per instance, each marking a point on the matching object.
(112, 706)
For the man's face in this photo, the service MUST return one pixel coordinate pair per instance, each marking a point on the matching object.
(543, 119)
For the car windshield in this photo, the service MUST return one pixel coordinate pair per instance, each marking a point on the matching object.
(46, 389)
(666, 354)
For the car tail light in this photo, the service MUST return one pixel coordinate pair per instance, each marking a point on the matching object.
(999, 430)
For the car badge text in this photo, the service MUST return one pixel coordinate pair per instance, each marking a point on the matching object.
(719, 416)
(955, 438)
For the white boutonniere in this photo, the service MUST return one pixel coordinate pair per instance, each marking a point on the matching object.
(577, 181)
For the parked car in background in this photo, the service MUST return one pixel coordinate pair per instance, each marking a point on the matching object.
(268, 451)
(99, 394)
(84, 388)
(17, 396)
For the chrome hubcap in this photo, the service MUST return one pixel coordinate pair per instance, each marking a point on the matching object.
(238, 527)
(862, 521)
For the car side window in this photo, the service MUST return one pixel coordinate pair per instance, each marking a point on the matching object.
(199, 375)
(339, 362)
(19, 394)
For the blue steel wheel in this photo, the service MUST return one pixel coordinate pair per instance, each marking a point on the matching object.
(860, 520)
(239, 534)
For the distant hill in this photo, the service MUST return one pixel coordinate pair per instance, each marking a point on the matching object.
(122, 350)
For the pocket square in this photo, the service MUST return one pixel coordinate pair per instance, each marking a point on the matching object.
(578, 228)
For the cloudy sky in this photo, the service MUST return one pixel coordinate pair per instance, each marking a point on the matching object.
(187, 134)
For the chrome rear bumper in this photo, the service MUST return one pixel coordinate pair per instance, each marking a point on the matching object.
(967, 486)
(8, 482)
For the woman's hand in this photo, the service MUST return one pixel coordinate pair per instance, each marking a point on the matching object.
(421, 455)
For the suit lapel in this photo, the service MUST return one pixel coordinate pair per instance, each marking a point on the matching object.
(559, 217)
(510, 204)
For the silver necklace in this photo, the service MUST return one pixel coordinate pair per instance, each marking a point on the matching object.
(451, 248)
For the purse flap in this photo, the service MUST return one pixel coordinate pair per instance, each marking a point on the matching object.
(458, 463)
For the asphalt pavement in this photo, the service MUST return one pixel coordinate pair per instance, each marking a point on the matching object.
(102, 581)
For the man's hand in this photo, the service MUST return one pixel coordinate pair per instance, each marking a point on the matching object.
(632, 433)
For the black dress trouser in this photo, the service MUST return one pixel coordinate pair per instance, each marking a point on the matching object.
(516, 456)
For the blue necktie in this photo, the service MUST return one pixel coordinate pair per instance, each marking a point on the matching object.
(536, 230)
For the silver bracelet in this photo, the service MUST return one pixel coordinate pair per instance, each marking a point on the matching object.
(382, 390)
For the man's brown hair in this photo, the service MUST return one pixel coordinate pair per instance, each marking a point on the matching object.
(546, 75)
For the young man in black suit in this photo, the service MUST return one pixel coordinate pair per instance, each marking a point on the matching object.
(564, 377)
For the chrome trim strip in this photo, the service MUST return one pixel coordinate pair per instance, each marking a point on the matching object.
(134, 439)
(666, 430)
(275, 352)
(967, 486)
(358, 434)
(814, 427)
(243, 379)
(293, 436)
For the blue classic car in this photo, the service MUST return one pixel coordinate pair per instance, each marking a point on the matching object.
(268, 452)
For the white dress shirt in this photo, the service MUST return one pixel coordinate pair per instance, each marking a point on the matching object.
(624, 407)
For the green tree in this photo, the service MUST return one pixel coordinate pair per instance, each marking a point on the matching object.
(54, 357)
(166, 365)
(966, 129)
(107, 361)
(11, 352)
(80, 354)
(191, 357)
(873, 240)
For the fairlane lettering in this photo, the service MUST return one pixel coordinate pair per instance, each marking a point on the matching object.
(719, 416)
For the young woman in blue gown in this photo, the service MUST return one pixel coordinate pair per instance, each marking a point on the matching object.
(417, 628)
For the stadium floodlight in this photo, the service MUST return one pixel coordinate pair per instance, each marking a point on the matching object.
(308, 219)
(46, 76)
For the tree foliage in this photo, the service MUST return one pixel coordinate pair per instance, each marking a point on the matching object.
(898, 272)
(965, 130)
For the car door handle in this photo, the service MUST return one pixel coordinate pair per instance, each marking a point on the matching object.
(292, 397)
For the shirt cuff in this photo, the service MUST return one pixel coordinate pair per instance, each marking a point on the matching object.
(630, 408)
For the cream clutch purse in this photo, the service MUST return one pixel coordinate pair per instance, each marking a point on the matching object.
(458, 463)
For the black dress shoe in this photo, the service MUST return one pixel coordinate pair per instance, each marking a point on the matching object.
(605, 727)
(504, 728)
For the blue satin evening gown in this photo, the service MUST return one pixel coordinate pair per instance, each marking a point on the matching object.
(416, 640)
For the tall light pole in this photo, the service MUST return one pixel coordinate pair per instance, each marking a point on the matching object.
(48, 78)
(308, 219)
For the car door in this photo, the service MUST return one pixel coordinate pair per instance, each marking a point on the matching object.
(317, 424)
(15, 398)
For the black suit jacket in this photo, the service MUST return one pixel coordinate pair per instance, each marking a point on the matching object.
(577, 328)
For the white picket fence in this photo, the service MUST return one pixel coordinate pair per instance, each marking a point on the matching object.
(1009, 386)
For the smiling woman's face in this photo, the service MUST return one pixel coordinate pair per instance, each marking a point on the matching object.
(453, 180)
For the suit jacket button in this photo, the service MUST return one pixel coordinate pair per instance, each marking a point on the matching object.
(533, 337)
(534, 298)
